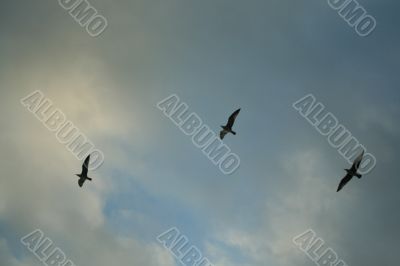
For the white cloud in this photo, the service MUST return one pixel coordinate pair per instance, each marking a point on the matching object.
(38, 184)
(295, 209)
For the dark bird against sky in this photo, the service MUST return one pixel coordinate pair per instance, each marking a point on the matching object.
(351, 172)
(83, 176)
(228, 128)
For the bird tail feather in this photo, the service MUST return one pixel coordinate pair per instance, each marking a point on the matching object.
(358, 175)
(88, 178)
(233, 132)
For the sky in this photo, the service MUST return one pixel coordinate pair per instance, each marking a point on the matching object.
(217, 56)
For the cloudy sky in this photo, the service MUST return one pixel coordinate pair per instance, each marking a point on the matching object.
(217, 55)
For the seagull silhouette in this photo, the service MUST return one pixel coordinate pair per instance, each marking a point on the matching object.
(351, 172)
(228, 128)
(83, 176)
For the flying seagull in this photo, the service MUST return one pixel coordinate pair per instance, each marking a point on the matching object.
(83, 176)
(228, 128)
(351, 172)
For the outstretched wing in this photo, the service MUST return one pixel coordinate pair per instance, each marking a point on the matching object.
(222, 134)
(85, 166)
(344, 181)
(232, 118)
(357, 162)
